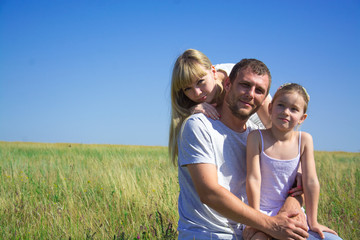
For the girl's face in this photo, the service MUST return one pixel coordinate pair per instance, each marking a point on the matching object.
(287, 111)
(203, 89)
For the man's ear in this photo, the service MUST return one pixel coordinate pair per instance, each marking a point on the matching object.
(227, 84)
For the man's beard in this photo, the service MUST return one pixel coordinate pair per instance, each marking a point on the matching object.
(237, 112)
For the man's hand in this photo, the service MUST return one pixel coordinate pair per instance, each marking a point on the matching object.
(293, 204)
(287, 227)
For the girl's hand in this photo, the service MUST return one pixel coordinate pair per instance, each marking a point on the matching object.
(249, 232)
(297, 190)
(318, 228)
(207, 109)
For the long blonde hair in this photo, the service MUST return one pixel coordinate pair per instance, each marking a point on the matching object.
(186, 68)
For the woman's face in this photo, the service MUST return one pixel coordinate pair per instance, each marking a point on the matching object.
(203, 89)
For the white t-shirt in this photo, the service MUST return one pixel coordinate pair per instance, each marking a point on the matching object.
(204, 140)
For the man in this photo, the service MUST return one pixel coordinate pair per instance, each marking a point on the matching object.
(212, 166)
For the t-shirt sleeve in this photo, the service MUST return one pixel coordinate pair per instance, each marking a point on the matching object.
(227, 67)
(195, 143)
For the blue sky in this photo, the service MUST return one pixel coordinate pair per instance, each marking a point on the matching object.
(99, 71)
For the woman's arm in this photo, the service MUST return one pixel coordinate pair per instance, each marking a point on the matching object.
(207, 109)
(263, 112)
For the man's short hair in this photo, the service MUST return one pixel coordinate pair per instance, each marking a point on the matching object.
(256, 66)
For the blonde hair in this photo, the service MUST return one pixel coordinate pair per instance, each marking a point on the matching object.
(186, 69)
(290, 88)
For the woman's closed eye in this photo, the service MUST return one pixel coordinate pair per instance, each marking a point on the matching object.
(200, 81)
(186, 89)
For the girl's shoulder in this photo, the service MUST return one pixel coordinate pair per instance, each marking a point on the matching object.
(305, 136)
(306, 141)
(258, 133)
(253, 135)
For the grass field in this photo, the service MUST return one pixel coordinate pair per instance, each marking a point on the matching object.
(75, 191)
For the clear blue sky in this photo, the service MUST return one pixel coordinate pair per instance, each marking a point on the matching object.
(99, 71)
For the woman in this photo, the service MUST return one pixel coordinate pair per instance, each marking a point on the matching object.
(196, 87)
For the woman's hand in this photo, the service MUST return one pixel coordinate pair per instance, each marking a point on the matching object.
(207, 109)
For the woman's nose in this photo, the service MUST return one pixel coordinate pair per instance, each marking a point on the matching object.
(197, 91)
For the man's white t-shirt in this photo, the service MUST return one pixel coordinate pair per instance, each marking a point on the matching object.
(204, 140)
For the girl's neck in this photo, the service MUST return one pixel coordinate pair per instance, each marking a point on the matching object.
(280, 135)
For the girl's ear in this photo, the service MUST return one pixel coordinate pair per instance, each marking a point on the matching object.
(270, 108)
(302, 119)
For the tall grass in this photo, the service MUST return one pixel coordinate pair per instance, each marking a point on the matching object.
(75, 191)
(339, 203)
(53, 191)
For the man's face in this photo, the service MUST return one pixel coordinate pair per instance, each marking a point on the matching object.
(247, 93)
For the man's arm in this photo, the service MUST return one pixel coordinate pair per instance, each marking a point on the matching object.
(212, 194)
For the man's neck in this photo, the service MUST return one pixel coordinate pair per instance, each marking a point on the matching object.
(227, 117)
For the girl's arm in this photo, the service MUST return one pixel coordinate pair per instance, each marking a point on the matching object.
(311, 185)
(309, 179)
(253, 178)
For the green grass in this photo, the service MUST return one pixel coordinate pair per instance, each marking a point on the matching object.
(63, 191)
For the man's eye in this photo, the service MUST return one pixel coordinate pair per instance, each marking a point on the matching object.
(259, 91)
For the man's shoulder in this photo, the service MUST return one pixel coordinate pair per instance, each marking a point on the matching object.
(251, 125)
(197, 123)
(197, 117)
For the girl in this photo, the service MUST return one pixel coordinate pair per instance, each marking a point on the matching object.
(274, 156)
(196, 87)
